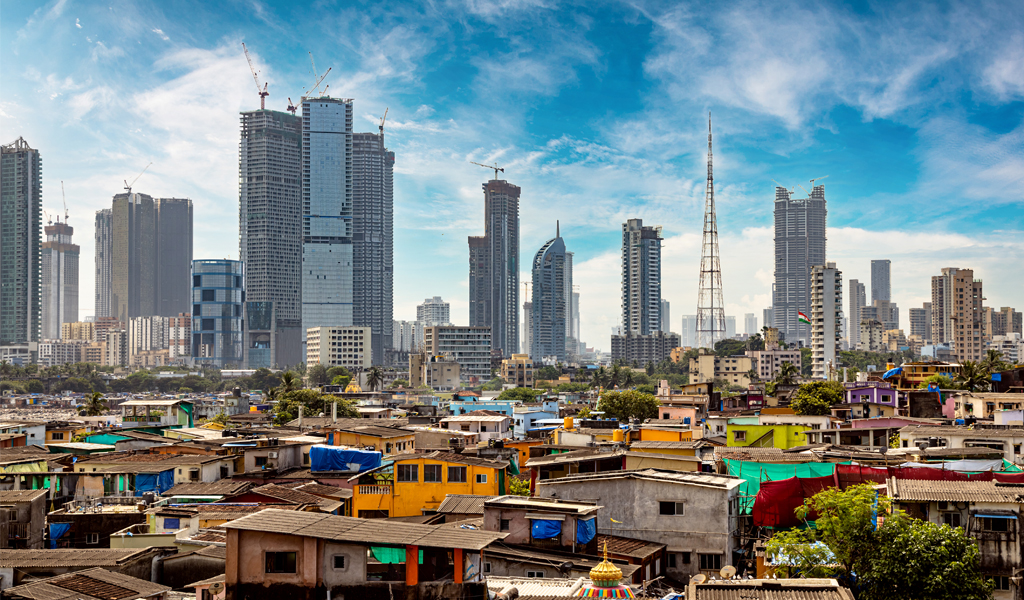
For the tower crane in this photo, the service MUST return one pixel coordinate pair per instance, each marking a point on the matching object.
(791, 190)
(817, 179)
(319, 79)
(128, 186)
(291, 107)
(255, 76)
(65, 200)
(382, 119)
(494, 166)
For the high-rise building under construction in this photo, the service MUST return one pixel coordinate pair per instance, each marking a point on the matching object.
(60, 279)
(494, 267)
(799, 245)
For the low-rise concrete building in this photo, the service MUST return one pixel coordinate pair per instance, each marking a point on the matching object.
(26, 518)
(349, 347)
(1007, 440)
(18, 565)
(488, 425)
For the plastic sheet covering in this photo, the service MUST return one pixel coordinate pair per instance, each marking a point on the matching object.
(545, 529)
(585, 530)
(969, 465)
(57, 531)
(776, 500)
(754, 473)
(390, 556)
(331, 458)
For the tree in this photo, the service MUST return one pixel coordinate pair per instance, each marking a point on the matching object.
(729, 347)
(944, 382)
(972, 376)
(647, 388)
(993, 361)
(627, 378)
(398, 383)
(95, 405)
(521, 394)
(568, 388)
(312, 403)
(649, 369)
(519, 486)
(548, 372)
(805, 362)
(341, 380)
(817, 398)
(220, 418)
(34, 386)
(375, 378)
(317, 375)
(753, 376)
(629, 404)
(787, 374)
(289, 381)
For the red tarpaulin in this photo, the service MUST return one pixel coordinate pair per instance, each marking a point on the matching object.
(776, 500)
(854, 474)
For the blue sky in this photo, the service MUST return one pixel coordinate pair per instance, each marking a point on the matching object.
(598, 110)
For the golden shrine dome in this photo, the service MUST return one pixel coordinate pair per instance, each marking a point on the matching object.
(605, 574)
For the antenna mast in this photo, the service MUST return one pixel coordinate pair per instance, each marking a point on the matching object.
(710, 306)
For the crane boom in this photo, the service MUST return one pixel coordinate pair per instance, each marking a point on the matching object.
(255, 77)
(382, 119)
(318, 78)
(128, 186)
(818, 179)
(65, 200)
(494, 166)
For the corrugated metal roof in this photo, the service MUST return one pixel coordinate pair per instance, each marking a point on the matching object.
(628, 546)
(329, 491)
(216, 488)
(364, 531)
(954, 491)
(689, 444)
(544, 504)
(760, 589)
(769, 455)
(89, 584)
(170, 402)
(689, 478)
(927, 431)
(463, 504)
(21, 495)
(65, 557)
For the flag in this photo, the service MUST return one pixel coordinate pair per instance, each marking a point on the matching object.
(803, 318)
(614, 521)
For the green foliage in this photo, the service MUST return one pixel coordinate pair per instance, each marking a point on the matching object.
(335, 371)
(796, 551)
(729, 347)
(817, 398)
(312, 403)
(993, 362)
(519, 485)
(317, 375)
(805, 362)
(375, 378)
(756, 342)
(341, 380)
(34, 386)
(493, 385)
(584, 413)
(290, 381)
(399, 383)
(630, 404)
(95, 405)
(944, 383)
(220, 418)
(520, 393)
(77, 384)
(972, 376)
(548, 372)
(647, 388)
(568, 388)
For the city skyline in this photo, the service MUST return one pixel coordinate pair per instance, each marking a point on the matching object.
(877, 143)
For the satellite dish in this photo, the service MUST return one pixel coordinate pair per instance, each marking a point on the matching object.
(216, 587)
(727, 572)
(699, 578)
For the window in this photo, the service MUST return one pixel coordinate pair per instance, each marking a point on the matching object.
(464, 427)
(671, 508)
(951, 518)
(481, 478)
(409, 473)
(339, 561)
(943, 505)
(261, 461)
(995, 524)
(710, 562)
(487, 567)
(431, 473)
(305, 458)
(57, 435)
(193, 474)
(504, 524)
(92, 538)
(538, 574)
(672, 560)
(686, 557)
(224, 472)
(1001, 583)
(280, 562)
(739, 436)
(208, 296)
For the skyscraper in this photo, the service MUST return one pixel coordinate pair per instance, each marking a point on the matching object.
(326, 213)
(711, 325)
(21, 207)
(666, 319)
(749, 324)
(373, 239)
(150, 256)
(921, 322)
(527, 326)
(217, 297)
(880, 283)
(957, 312)
(641, 277)
(799, 245)
(858, 300)
(104, 267)
(942, 306)
(494, 267)
(826, 318)
(552, 299)
(433, 311)
(270, 234)
(688, 333)
(60, 279)
(730, 327)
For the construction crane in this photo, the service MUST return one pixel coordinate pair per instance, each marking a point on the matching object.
(65, 200)
(128, 186)
(291, 107)
(255, 77)
(790, 190)
(382, 119)
(817, 179)
(319, 79)
(494, 166)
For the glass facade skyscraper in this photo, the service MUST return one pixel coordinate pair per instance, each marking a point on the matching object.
(218, 298)
(552, 301)
(21, 198)
(799, 245)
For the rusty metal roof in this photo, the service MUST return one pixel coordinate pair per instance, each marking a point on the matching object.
(363, 531)
(90, 584)
(224, 487)
(21, 495)
(328, 491)
(625, 546)
(463, 504)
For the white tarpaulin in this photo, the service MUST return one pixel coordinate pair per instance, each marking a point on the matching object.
(961, 465)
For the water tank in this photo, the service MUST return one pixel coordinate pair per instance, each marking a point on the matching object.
(618, 435)
(567, 423)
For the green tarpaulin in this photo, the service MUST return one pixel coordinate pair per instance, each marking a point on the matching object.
(753, 473)
(391, 556)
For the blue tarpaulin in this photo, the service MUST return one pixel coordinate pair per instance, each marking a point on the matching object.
(892, 372)
(585, 530)
(330, 458)
(154, 482)
(545, 529)
(57, 531)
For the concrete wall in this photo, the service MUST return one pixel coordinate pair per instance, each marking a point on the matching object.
(705, 527)
(354, 572)
(102, 524)
(179, 570)
(287, 457)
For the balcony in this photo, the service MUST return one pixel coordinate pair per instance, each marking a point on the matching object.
(17, 531)
(374, 490)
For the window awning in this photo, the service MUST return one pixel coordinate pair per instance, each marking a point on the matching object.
(994, 516)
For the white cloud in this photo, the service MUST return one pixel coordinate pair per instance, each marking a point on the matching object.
(78, 23)
(1005, 76)
(160, 33)
(100, 50)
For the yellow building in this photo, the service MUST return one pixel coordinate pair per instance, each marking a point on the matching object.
(65, 434)
(78, 330)
(386, 440)
(688, 448)
(518, 370)
(776, 435)
(414, 483)
(915, 373)
(652, 434)
(733, 369)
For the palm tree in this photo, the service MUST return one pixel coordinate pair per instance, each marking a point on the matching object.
(627, 378)
(272, 394)
(787, 374)
(972, 376)
(993, 361)
(615, 377)
(95, 405)
(375, 378)
(289, 382)
(753, 376)
(6, 368)
(600, 376)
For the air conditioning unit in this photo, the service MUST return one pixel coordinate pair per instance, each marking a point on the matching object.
(272, 455)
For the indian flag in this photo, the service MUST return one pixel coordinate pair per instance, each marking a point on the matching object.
(803, 318)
